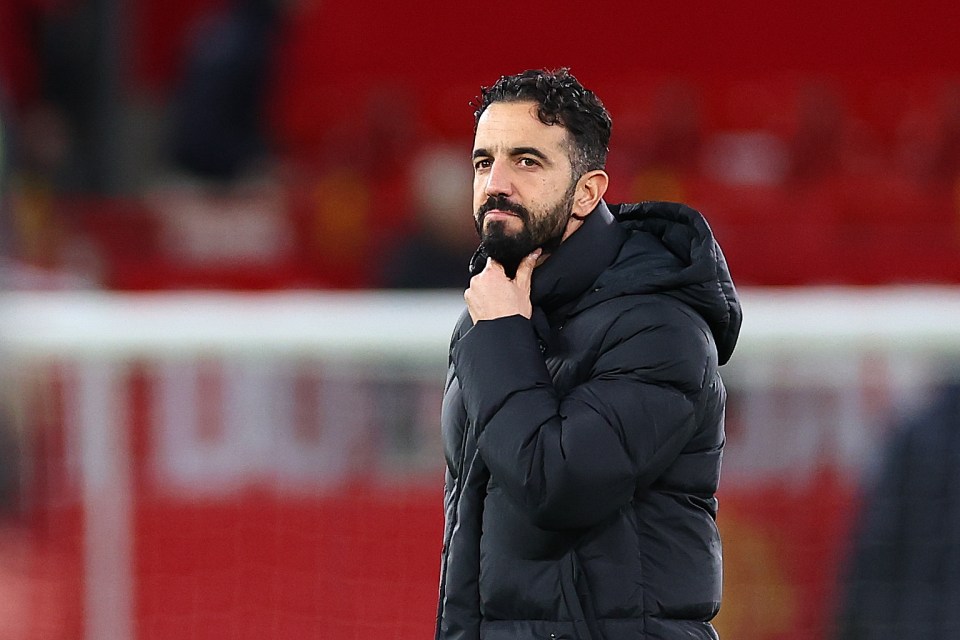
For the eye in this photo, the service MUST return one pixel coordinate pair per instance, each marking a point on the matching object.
(529, 162)
(481, 163)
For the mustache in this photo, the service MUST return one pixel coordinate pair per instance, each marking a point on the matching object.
(501, 203)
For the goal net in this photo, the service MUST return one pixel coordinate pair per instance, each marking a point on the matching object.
(187, 465)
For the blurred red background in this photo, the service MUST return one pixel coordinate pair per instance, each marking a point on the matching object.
(821, 140)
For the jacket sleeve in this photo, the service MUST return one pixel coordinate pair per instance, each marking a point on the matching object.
(570, 462)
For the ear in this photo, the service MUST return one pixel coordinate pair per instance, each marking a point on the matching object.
(590, 189)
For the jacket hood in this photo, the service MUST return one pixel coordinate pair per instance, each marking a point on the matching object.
(671, 249)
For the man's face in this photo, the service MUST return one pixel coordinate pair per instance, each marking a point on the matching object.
(523, 188)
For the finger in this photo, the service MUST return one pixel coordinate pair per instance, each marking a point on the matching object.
(493, 265)
(525, 269)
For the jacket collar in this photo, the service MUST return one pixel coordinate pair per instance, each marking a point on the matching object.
(570, 271)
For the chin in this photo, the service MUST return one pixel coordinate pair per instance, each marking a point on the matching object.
(500, 229)
(503, 226)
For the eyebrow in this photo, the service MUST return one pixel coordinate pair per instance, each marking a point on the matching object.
(531, 151)
(515, 151)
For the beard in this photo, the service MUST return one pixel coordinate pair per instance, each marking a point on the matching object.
(544, 231)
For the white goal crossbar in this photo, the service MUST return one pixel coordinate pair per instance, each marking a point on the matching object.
(416, 326)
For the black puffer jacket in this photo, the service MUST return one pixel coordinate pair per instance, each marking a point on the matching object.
(583, 445)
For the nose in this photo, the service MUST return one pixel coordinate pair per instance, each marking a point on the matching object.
(498, 180)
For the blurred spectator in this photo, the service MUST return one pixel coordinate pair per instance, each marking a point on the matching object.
(352, 190)
(74, 81)
(10, 466)
(670, 151)
(6, 222)
(928, 141)
(904, 574)
(19, 52)
(49, 89)
(436, 254)
(37, 246)
(41, 150)
(816, 145)
(677, 131)
(945, 160)
(217, 129)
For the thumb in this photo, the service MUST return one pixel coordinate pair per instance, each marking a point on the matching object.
(525, 269)
(493, 265)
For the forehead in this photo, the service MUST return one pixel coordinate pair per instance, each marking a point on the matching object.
(506, 125)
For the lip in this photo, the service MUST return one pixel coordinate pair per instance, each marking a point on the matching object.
(499, 214)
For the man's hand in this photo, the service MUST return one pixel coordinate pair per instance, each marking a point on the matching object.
(493, 295)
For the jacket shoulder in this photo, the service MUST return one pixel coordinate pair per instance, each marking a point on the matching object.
(659, 339)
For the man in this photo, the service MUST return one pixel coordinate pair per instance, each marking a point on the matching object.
(583, 412)
(901, 575)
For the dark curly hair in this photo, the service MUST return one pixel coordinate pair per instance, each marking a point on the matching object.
(560, 99)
